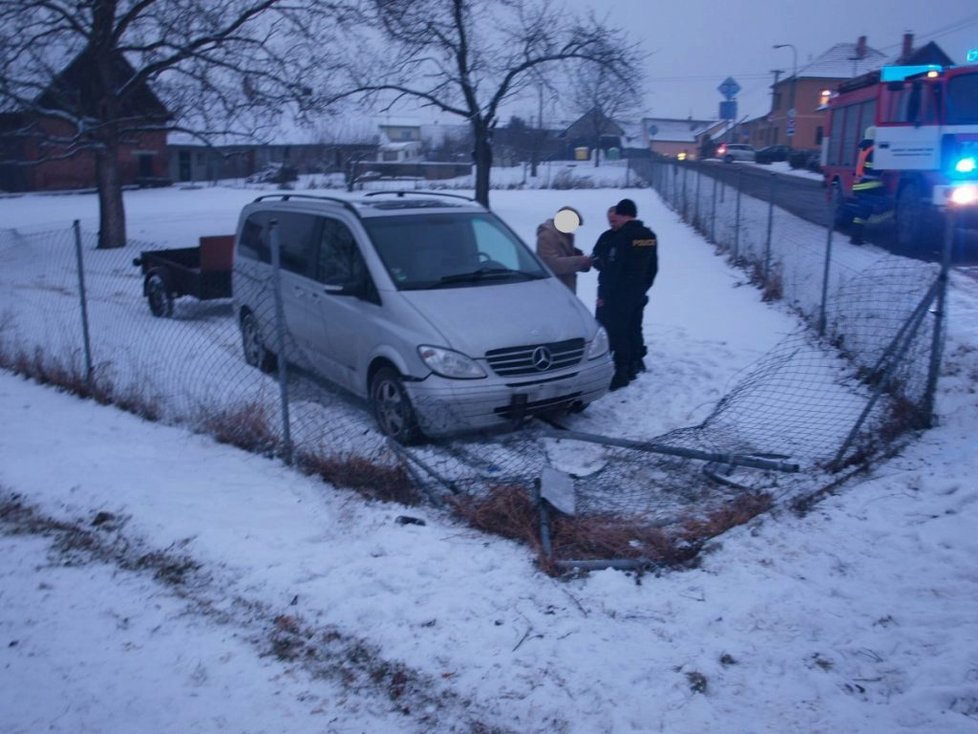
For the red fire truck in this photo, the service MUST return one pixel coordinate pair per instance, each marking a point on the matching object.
(926, 120)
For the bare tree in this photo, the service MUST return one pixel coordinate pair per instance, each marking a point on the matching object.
(601, 98)
(92, 75)
(469, 57)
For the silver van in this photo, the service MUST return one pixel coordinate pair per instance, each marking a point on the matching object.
(427, 305)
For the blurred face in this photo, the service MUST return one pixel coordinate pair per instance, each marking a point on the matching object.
(567, 220)
(614, 221)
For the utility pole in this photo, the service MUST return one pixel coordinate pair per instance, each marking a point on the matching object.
(777, 75)
(790, 128)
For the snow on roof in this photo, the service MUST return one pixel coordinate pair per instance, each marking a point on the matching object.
(843, 61)
(672, 130)
(632, 135)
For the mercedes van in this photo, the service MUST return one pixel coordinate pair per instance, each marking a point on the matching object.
(426, 305)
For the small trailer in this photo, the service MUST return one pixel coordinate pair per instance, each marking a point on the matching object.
(203, 272)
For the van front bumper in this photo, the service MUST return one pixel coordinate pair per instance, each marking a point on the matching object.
(445, 406)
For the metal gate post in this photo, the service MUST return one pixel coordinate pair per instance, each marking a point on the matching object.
(84, 305)
(830, 229)
(736, 247)
(770, 225)
(685, 194)
(283, 377)
(696, 217)
(713, 214)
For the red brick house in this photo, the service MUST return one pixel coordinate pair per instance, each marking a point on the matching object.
(47, 144)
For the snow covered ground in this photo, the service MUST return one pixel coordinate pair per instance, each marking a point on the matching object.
(154, 580)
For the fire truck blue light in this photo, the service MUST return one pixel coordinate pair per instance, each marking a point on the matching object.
(965, 165)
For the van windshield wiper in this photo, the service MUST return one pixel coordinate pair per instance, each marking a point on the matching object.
(486, 274)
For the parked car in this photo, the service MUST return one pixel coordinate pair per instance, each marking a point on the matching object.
(426, 305)
(773, 154)
(730, 152)
(809, 160)
(274, 173)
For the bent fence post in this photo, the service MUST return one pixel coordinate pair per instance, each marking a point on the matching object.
(937, 341)
(895, 351)
(84, 304)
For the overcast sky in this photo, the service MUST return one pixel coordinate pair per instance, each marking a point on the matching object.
(696, 44)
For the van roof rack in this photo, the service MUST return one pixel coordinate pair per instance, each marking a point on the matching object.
(401, 193)
(285, 197)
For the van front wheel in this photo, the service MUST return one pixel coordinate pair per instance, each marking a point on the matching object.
(392, 408)
(253, 346)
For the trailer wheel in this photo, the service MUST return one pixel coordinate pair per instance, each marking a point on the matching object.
(391, 407)
(911, 217)
(255, 352)
(159, 297)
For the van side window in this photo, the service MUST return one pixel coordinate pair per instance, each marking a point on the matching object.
(338, 260)
(254, 238)
(295, 237)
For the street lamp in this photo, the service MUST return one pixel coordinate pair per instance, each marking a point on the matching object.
(794, 83)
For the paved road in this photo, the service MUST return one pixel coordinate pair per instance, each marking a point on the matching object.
(806, 198)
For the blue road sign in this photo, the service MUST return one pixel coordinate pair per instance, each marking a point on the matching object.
(729, 88)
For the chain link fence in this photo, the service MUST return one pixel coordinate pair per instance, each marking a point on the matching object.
(835, 394)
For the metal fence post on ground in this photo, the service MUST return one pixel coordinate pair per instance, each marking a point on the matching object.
(283, 376)
(696, 215)
(84, 304)
(940, 316)
(770, 225)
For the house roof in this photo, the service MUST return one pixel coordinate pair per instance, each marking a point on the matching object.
(844, 61)
(67, 83)
(676, 130)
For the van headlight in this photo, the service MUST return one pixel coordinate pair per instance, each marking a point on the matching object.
(448, 363)
(599, 344)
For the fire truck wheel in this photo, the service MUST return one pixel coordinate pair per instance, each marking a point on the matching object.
(910, 216)
(842, 217)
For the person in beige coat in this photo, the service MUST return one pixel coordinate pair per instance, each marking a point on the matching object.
(555, 246)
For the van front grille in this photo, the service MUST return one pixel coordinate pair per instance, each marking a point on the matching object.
(536, 359)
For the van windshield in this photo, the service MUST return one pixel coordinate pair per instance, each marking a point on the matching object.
(454, 250)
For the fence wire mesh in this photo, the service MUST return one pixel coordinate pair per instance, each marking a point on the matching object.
(825, 396)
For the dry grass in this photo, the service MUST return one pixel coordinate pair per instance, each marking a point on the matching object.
(370, 479)
(509, 511)
(246, 426)
(70, 377)
(772, 286)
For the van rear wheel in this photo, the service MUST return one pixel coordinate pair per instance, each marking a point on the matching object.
(392, 408)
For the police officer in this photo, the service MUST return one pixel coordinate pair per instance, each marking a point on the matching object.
(629, 264)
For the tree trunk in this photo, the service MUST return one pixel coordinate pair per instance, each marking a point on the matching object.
(112, 214)
(482, 158)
